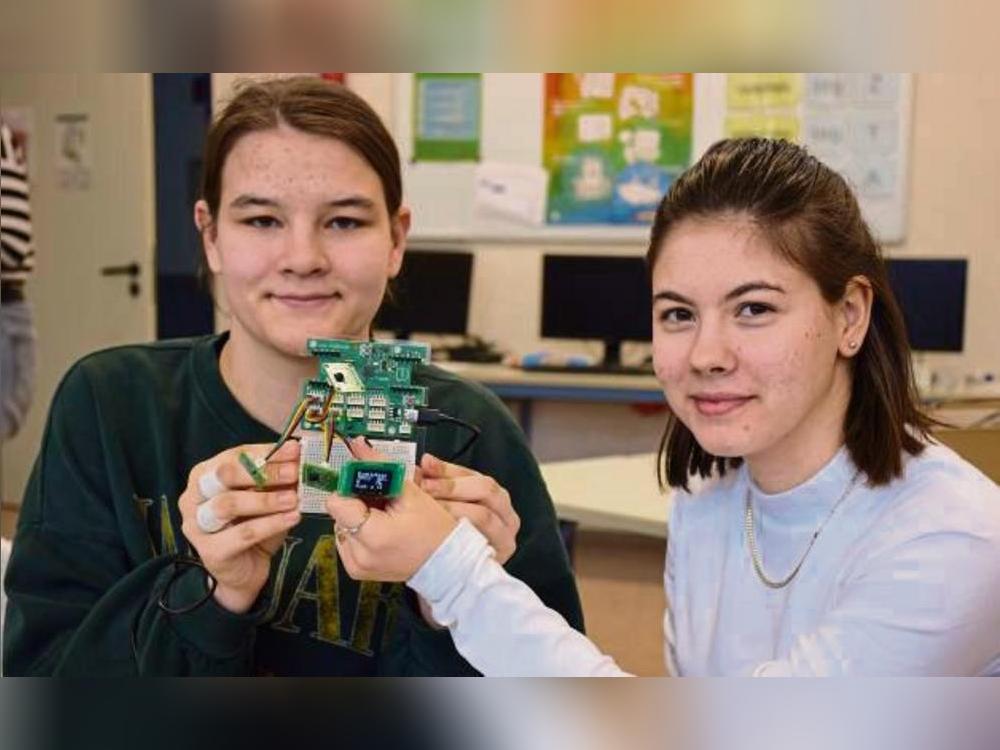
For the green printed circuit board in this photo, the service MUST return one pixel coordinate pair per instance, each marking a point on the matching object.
(367, 384)
(362, 388)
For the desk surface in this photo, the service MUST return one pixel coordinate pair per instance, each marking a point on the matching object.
(515, 383)
(615, 493)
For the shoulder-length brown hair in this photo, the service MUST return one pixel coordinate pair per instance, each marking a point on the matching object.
(810, 216)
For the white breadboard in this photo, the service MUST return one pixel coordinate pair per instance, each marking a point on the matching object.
(312, 500)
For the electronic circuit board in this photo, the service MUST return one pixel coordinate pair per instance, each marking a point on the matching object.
(362, 388)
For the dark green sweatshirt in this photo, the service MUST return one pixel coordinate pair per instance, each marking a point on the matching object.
(99, 533)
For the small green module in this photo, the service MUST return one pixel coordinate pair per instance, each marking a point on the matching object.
(321, 478)
(254, 469)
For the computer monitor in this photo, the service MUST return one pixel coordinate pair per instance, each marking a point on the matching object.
(430, 295)
(932, 296)
(597, 297)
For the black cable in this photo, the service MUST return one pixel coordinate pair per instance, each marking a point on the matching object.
(180, 565)
(430, 417)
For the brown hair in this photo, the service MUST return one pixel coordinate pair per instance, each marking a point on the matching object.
(810, 216)
(311, 105)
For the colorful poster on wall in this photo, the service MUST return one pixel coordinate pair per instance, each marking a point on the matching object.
(613, 143)
(447, 116)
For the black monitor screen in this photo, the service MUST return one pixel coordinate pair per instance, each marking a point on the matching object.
(596, 297)
(932, 296)
(431, 294)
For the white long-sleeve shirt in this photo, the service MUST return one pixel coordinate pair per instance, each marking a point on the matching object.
(904, 579)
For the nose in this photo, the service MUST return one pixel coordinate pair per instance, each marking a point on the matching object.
(305, 253)
(711, 352)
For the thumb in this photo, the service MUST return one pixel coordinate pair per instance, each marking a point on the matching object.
(346, 511)
(362, 450)
(432, 466)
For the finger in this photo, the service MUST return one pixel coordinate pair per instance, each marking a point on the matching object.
(489, 524)
(231, 506)
(478, 489)
(240, 537)
(347, 511)
(363, 450)
(273, 543)
(277, 473)
(435, 467)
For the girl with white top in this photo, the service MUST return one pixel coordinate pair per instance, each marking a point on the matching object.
(828, 534)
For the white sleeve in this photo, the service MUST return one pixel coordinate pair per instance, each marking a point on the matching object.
(497, 622)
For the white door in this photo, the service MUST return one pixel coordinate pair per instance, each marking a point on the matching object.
(86, 218)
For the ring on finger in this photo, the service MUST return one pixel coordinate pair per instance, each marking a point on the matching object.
(343, 531)
(209, 485)
(207, 520)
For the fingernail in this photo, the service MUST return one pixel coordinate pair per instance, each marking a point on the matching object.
(292, 516)
(288, 473)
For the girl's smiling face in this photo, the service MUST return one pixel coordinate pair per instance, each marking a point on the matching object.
(748, 352)
(303, 245)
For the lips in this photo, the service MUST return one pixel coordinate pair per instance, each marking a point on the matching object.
(305, 301)
(719, 404)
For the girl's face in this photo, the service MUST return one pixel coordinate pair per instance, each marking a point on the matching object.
(751, 357)
(303, 245)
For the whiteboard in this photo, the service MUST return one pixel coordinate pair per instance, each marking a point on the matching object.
(838, 128)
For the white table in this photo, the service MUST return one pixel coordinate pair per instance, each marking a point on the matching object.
(612, 493)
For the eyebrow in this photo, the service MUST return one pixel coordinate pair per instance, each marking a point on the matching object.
(751, 286)
(351, 201)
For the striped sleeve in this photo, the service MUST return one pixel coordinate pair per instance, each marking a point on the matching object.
(18, 253)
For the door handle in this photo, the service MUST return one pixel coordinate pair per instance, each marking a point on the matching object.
(129, 269)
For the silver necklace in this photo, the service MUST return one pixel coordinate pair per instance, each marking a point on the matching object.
(755, 558)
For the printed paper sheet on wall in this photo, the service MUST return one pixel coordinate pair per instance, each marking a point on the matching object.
(613, 143)
(856, 123)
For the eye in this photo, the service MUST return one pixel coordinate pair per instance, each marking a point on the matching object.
(753, 309)
(345, 222)
(261, 222)
(676, 315)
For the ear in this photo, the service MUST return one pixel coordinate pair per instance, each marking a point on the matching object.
(856, 312)
(207, 229)
(399, 228)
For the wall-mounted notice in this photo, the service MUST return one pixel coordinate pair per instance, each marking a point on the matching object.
(613, 143)
(856, 123)
(73, 158)
(447, 116)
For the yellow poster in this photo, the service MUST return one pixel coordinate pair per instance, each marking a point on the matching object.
(768, 126)
(763, 90)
